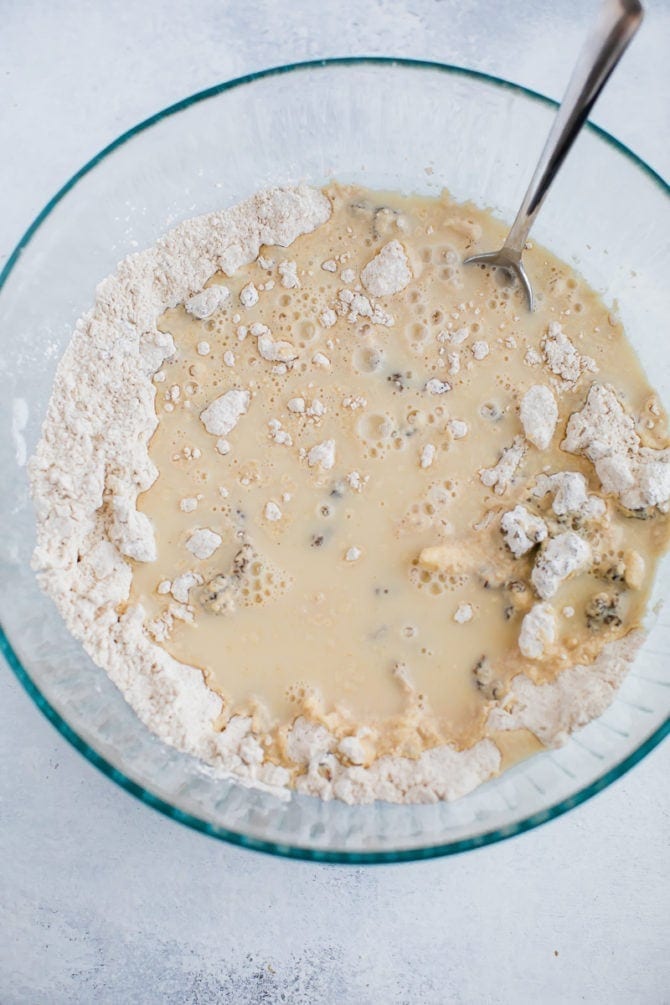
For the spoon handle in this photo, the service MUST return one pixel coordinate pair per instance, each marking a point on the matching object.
(616, 25)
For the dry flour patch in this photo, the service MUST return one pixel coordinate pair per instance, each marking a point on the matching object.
(92, 463)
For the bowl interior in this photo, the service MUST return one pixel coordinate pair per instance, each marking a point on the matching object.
(385, 124)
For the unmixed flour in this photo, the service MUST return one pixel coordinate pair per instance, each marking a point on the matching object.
(93, 461)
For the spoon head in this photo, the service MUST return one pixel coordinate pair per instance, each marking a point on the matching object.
(513, 265)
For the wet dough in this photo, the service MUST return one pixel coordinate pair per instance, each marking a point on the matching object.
(360, 513)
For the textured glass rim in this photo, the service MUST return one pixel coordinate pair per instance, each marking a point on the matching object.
(92, 755)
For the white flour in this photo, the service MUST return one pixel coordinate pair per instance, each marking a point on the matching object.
(93, 461)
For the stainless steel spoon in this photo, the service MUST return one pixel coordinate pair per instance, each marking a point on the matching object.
(617, 23)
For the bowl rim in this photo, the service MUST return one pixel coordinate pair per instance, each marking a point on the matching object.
(296, 851)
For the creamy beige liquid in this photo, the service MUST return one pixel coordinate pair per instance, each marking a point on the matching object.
(334, 614)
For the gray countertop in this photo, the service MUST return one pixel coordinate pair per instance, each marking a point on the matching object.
(102, 899)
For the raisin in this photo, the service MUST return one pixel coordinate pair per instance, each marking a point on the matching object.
(217, 595)
(489, 410)
(364, 206)
(639, 514)
(220, 593)
(616, 572)
(383, 215)
(602, 611)
(486, 681)
(242, 559)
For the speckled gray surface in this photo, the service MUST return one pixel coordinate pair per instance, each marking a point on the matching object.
(103, 900)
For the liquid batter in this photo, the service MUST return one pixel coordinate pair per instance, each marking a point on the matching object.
(362, 514)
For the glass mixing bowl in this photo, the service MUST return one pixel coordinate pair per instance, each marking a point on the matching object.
(386, 124)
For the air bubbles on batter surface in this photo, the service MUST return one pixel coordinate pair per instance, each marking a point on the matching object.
(367, 359)
(308, 331)
(373, 428)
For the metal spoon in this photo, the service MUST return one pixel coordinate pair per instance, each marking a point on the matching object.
(617, 23)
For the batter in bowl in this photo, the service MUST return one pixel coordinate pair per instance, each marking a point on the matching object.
(393, 531)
